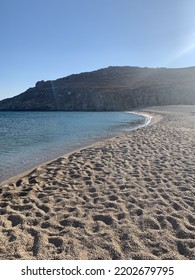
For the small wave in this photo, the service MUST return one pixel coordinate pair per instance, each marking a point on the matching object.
(147, 118)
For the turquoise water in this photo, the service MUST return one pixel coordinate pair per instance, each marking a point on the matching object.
(30, 138)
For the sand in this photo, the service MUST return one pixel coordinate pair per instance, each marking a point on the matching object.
(129, 197)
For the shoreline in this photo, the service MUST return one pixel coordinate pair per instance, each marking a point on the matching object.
(127, 197)
(147, 117)
(29, 170)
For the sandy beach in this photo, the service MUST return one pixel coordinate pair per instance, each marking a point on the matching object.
(129, 197)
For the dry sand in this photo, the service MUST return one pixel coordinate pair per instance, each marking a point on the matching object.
(130, 197)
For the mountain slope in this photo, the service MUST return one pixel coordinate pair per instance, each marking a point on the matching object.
(112, 88)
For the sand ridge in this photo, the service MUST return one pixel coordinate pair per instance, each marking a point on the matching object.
(129, 197)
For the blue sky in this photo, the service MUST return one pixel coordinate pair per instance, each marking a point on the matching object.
(49, 39)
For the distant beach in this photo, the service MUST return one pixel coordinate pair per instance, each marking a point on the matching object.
(128, 197)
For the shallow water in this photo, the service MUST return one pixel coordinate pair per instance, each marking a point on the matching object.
(30, 138)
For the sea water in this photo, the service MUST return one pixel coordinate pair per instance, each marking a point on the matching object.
(30, 138)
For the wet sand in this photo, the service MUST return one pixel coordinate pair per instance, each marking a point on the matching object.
(129, 197)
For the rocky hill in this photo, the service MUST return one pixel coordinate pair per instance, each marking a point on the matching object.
(112, 88)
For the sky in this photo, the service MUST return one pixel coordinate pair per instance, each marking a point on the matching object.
(50, 39)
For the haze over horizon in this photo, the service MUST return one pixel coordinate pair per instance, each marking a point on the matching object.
(47, 40)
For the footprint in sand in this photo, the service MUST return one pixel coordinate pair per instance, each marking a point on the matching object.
(15, 220)
(56, 241)
(103, 218)
(72, 222)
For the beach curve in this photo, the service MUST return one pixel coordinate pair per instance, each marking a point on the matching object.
(129, 197)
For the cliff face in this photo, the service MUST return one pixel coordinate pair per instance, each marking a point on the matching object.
(112, 88)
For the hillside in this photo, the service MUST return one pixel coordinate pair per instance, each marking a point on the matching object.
(112, 88)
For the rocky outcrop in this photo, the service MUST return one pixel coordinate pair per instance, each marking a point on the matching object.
(112, 88)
